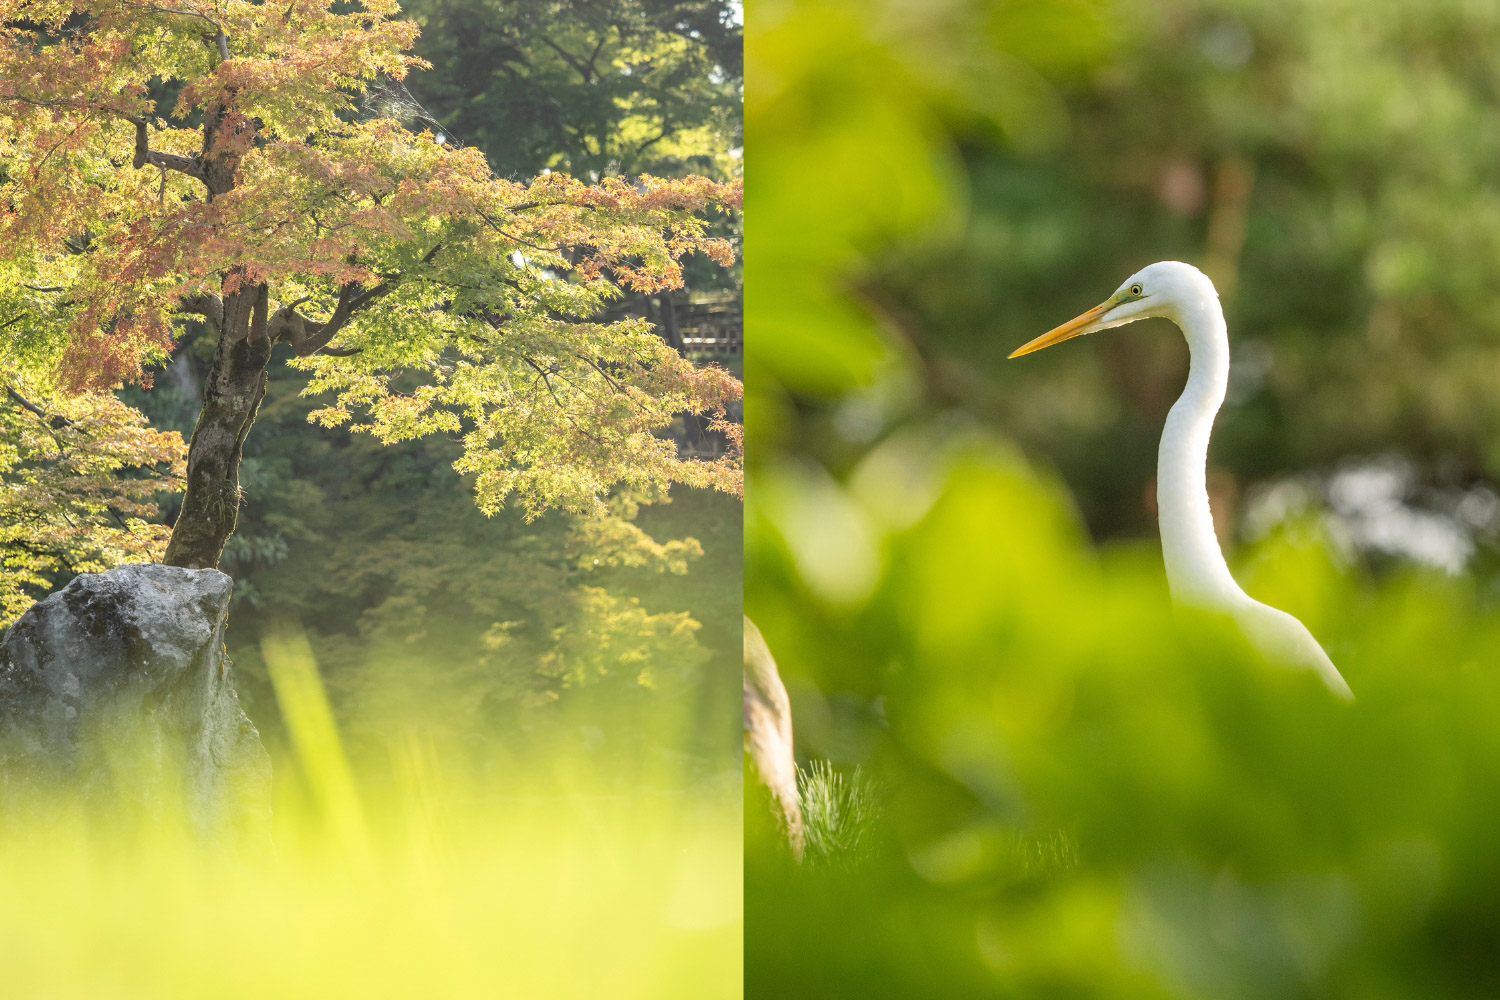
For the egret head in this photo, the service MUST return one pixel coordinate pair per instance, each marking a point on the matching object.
(1160, 289)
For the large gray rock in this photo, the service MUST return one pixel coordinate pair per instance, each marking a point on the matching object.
(119, 685)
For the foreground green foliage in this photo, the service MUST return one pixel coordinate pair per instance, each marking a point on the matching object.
(1087, 794)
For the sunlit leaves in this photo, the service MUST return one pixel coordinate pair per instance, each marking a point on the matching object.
(555, 412)
(479, 299)
(79, 475)
(611, 638)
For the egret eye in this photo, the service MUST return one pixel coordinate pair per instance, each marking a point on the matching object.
(1135, 289)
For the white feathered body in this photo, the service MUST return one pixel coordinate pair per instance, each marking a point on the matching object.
(1196, 570)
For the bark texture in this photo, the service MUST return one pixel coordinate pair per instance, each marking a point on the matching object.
(232, 393)
(236, 382)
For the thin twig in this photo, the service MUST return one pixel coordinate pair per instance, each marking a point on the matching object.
(564, 410)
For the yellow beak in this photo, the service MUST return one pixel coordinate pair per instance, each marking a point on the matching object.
(1075, 327)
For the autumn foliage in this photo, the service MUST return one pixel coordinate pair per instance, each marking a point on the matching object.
(81, 477)
(185, 162)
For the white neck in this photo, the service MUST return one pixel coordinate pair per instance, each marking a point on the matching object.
(1196, 570)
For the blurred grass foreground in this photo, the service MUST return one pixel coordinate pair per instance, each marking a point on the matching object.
(403, 872)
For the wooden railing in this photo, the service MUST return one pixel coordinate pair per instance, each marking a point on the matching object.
(712, 323)
(700, 324)
(708, 327)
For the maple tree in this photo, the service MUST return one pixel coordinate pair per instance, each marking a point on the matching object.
(422, 292)
(82, 472)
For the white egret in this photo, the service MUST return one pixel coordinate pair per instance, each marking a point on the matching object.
(1196, 571)
(768, 735)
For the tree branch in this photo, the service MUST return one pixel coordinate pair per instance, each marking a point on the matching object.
(144, 154)
(613, 384)
(551, 392)
(496, 227)
(222, 40)
(55, 422)
(570, 59)
(666, 130)
(27, 404)
(307, 338)
(594, 56)
(207, 305)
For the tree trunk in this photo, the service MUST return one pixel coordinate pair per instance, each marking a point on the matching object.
(231, 395)
(668, 328)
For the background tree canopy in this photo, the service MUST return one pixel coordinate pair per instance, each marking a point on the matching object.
(1079, 793)
(591, 88)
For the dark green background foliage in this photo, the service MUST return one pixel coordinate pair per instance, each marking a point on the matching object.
(589, 88)
(608, 637)
(1332, 166)
(1076, 791)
